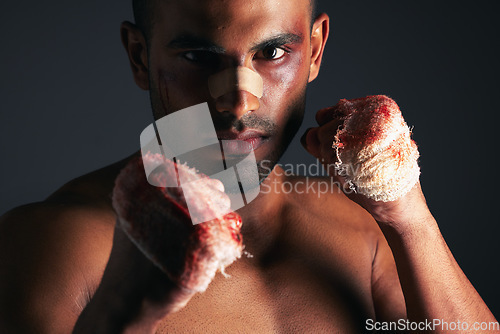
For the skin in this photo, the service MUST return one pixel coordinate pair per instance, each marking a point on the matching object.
(320, 264)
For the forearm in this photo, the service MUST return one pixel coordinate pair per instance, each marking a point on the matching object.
(114, 314)
(123, 311)
(133, 297)
(114, 308)
(433, 284)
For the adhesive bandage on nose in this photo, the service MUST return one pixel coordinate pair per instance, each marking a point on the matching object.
(236, 79)
(375, 152)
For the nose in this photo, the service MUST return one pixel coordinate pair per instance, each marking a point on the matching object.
(238, 103)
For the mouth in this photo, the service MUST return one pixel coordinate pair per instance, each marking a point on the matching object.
(237, 144)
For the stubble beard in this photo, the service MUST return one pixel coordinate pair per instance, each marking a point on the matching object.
(292, 125)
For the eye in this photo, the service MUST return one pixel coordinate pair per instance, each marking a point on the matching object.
(191, 56)
(272, 53)
(202, 58)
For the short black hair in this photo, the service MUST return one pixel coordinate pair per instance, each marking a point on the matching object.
(144, 15)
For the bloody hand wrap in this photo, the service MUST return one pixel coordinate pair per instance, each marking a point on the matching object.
(375, 152)
(157, 220)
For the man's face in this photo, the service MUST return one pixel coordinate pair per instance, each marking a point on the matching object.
(194, 39)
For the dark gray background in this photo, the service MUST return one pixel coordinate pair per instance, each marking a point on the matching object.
(69, 105)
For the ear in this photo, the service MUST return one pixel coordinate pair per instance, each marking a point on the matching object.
(135, 44)
(319, 36)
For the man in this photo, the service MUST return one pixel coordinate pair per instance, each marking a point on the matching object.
(319, 264)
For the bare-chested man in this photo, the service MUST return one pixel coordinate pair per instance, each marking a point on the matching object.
(320, 264)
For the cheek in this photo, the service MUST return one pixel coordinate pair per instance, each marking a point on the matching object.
(287, 80)
(285, 86)
(178, 91)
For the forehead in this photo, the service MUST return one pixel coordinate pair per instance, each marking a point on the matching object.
(229, 20)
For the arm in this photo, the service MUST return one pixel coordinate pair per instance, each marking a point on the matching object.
(433, 284)
(52, 259)
(388, 298)
(56, 254)
(133, 296)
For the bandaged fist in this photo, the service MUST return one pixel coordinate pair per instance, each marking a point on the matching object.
(367, 144)
(157, 220)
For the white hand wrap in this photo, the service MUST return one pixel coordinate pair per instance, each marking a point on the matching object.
(375, 152)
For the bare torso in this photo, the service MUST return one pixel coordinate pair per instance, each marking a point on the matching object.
(315, 276)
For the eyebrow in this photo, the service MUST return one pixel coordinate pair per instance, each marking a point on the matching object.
(280, 39)
(187, 41)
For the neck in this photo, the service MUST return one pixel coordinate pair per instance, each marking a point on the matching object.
(261, 222)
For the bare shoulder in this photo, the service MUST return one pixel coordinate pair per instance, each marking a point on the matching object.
(320, 205)
(52, 256)
(342, 235)
(54, 252)
(330, 230)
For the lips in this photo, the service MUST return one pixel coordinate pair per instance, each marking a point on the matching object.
(241, 143)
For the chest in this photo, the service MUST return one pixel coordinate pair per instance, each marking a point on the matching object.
(293, 295)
